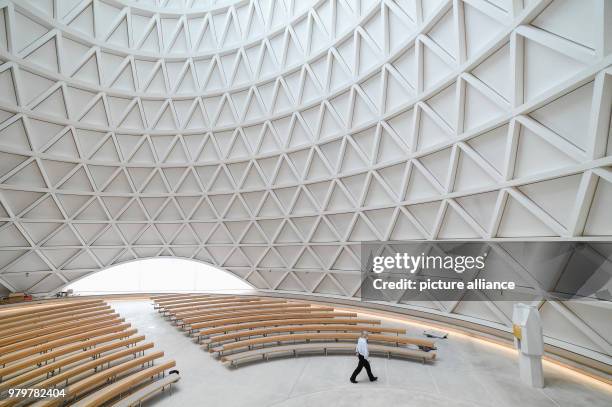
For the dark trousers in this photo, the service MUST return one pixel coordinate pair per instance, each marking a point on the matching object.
(363, 362)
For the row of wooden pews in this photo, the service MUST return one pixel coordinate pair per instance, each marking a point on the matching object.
(239, 329)
(80, 351)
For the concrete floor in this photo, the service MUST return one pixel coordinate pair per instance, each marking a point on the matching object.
(467, 372)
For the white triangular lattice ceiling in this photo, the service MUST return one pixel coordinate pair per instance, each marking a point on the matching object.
(270, 137)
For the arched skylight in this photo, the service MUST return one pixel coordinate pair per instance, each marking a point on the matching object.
(159, 275)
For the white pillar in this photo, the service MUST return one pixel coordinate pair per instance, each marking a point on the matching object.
(528, 339)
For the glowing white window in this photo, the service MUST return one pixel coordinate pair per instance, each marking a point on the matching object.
(159, 275)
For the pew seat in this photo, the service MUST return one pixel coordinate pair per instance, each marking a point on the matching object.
(111, 352)
(93, 383)
(124, 385)
(270, 317)
(225, 329)
(323, 336)
(82, 348)
(263, 354)
(297, 328)
(148, 391)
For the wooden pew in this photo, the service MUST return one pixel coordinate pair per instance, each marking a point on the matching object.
(271, 317)
(215, 314)
(54, 328)
(146, 392)
(194, 323)
(65, 350)
(61, 341)
(324, 347)
(44, 309)
(215, 300)
(163, 297)
(91, 366)
(219, 298)
(197, 298)
(168, 298)
(20, 328)
(230, 305)
(96, 364)
(193, 311)
(43, 316)
(78, 347)
(224, 329)
(234, 307)
(64, 363)
(81, 387)
(208, 303)
(121, 386)
(161, 304)
(276, 309)
(269, 332)
(277, 339)
(38, 339)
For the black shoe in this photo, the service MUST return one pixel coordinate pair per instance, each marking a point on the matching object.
(353, 381)
(374, 379)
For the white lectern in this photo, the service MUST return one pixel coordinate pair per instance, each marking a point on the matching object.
(527, 330)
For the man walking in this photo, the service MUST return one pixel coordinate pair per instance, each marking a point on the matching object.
(362, 354)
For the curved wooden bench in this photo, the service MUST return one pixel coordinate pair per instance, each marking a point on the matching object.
(92, 366)
(26, 311)
(194, 311)
(298, 328)
(38, 339)
(121, 386)
(222, 298)
(271, 317)
(224, 329)
(324, 347)
(203, 301)
(91, 382)
(184, 303)
(78, 347)
(277, 339)
(20, 328)
(230, 307)
(166, 297)
(46, 347)
(56, 315)
(271, 309)
(36, 359)
(211, 304)
(161, 300)
(161, 304)
(54, 328)
(63, 362)
(26, 320)
(136, 398)
(187, 297)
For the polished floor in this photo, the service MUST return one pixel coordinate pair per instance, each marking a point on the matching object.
(468, 372)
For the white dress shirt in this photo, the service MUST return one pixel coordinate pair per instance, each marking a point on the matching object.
(362, 347)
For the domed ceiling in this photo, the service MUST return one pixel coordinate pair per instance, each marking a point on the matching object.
(270, 137)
